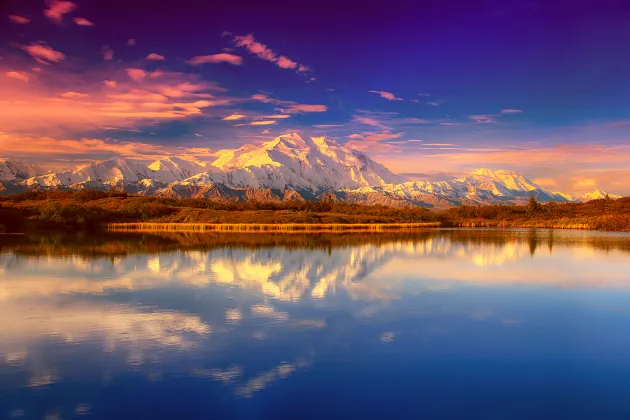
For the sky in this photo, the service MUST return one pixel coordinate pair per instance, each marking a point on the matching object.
(432, 89)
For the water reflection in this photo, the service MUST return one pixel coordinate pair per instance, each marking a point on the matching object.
(246, 312)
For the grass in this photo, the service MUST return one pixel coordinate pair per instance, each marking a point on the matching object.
(264, 227)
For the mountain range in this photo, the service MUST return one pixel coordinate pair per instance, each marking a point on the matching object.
(290, 167)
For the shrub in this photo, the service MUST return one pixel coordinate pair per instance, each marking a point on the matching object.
(73, 215)
(145, 209)
(88, 195)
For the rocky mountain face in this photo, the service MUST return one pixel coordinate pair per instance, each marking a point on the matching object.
(290, 167)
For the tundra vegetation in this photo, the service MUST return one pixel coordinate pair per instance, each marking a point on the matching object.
(89, 209)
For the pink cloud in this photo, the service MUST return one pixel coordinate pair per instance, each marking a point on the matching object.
(110, 83)
(155, 57)
(74, 95)
(39, 108)
(19, 75)
(300, 108)
(44, 54)
(511, 111)
(57, 9)
(83, 22)
(138, 95)
(215, 59)
(131, 42)
(618, 124)
(289, 107)
(265, 53)
(137, 75)
(482, 119)
(285, 63)
(108, 53)
(20, 20)
(386, 95)
(370, 121)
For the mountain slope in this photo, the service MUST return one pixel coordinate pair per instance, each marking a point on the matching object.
(296, 162)
(15, 170)
(483, 186)
(596, 195)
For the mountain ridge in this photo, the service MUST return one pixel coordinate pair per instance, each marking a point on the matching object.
(289, 167)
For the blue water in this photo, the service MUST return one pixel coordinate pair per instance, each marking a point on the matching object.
(452, 324)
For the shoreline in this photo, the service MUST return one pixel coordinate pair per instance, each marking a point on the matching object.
(338, 227)
(265, 227)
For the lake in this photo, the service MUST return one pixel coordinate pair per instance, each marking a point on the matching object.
(435, 324)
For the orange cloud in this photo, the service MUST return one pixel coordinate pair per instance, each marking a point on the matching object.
(57, 9)
(234, 117)
(155, 57)
(47, 147)
(74, 95)
(546, 182)
(262, 122)
(83, 22)
(215, 59)
(19, 75)
(39, 108)
(137, 75)
(277, 117)
(386, 95)
(44, 54)
(265, 53)
(20, 20)
(584, 184)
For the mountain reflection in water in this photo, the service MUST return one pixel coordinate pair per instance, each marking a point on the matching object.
(104, 325)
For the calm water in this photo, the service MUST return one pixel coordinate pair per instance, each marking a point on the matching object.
(456, 324)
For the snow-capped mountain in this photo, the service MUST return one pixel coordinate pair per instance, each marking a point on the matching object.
(290, 167)
(596, 195)
(11, 170)
(120, 172)
(291, 161)
(483, 186)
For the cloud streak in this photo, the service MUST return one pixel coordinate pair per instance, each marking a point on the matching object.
(155, 57)
(43, 53)
(289, 107)
(18, 75)
(386, 95)
(265, 53)
(20, 20)
(216, 59)
(82, 21)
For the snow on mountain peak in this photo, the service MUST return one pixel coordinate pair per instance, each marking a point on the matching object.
(494, 174)
(15, 170)
(293, 161)
(597, 195)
